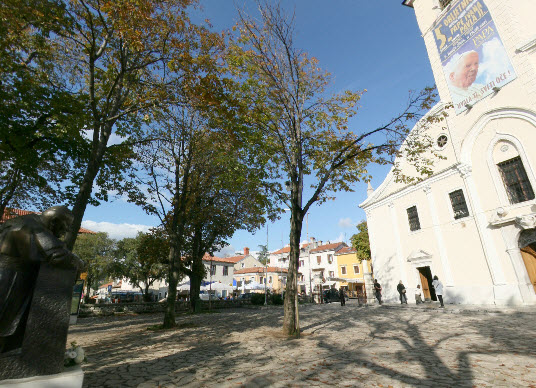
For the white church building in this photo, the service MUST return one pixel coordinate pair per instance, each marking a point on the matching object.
(473, 222)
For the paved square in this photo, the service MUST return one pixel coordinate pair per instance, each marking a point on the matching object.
(342, 346)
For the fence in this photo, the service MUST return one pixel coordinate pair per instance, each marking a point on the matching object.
(87, 310)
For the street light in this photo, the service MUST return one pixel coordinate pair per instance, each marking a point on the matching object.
(266, 268)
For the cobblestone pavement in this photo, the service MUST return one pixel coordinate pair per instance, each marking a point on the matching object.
(341, 346)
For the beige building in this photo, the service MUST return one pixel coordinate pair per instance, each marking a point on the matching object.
(473, 222)
(276, 279)
(244, 261)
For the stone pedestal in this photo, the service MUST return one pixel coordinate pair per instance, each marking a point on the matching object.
(45, 336)
(369, 287)
(73, 377)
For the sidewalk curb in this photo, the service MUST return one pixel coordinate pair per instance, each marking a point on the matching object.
(467, 310)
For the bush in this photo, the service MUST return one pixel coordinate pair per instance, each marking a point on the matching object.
(257, 299)
(276, 299)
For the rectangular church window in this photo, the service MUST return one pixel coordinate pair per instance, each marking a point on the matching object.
(413, 218)
(444, 3)
(515, 180)
(459, 206)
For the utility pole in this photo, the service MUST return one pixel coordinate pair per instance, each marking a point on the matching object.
(210, 287)
(266, 268)
(309, 259)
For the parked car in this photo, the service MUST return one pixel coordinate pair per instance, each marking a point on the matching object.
(332, 295)
(245, 296)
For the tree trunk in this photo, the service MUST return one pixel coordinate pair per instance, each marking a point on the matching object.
(146, 293)
(81, 201)
(86, 187)
(198, 272)
(195, 287)
(173, 280)
(290, 308)
(176, 235)
(7, 193)
(88, 290)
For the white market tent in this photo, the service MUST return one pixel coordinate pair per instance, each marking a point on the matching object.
(218, 286)
(253, 285)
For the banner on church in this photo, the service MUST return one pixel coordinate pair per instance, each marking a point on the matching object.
(472, 54)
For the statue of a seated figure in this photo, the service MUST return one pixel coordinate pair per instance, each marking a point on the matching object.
(25, 243)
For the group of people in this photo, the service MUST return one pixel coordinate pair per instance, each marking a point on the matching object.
(436, 283)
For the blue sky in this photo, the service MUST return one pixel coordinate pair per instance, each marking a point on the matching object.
(374, 45)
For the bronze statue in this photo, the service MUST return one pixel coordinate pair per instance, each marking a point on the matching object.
(25, 243)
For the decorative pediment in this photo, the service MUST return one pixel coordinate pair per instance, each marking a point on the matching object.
(527, 221)
(417, 255)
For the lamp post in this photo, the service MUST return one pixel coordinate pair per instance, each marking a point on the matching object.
(309, 260)
(210, 287)
(266, 268)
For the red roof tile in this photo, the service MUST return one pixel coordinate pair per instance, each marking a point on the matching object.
(282, 250)
(105, 285)
(207, 257)
(346, 250)
(84, 230)
(235, 259)
(287, 249)
(327, 247)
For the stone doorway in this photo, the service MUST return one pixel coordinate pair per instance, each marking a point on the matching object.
(426, 283)
(527, 246)
(528, 254)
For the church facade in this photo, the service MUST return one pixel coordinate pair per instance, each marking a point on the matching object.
(472, 223)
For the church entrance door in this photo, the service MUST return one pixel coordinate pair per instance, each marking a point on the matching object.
(426, 281)
(528, 254)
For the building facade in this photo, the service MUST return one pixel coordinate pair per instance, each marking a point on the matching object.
(217, 269)
(244, 261)
(321, 265)
(317, 265)
(473, 222)
(354, 276)
(275, 277)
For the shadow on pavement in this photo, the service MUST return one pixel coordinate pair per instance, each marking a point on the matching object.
(360, 345)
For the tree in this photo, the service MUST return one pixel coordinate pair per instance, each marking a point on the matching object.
(360, 241)
(126, 56)
(225, 198)
(97, 251)
(142, 260)
(41, 121)
(205, 183)
(264, 255)
(306, 131)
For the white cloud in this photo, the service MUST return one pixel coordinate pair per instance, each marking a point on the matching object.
(340, 238)
(346, 223)
(116, 231)
(227, 251)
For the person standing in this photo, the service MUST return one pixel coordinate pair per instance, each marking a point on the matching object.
(438, 287)
(402, 291)
(341, 296)
(418, 295)
(378, 291)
